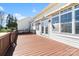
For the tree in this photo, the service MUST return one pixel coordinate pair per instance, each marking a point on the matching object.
(11, 22)
(1, 18)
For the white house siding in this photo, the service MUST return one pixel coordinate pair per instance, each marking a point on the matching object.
(24, 24)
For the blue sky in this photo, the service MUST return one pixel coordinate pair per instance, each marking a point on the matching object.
(21, 10)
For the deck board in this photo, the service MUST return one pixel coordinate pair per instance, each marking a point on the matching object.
(34, 45)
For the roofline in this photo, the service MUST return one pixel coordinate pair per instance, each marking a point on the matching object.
(45, 9)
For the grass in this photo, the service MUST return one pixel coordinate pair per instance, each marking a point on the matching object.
(5, 30)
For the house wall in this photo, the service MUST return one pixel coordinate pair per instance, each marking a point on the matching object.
(24, 24)
(66, 30)
(60, 14)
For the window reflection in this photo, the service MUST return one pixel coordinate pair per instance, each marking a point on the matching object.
(66, 27)
(55, 23)
(77, 27)
(66, 17)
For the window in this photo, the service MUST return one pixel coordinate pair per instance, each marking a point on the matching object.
(66, 17)
(55, 23)
(46, 26)
(77, 21)
(37, 26)
(46, 30)
(77, 6)
(77, 27)
(77, 15)
(42, 29)
(66, 22)
(55, 19)
(55, 27)
(66, 10)
(66, 27)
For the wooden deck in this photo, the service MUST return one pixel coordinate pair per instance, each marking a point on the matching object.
(33, 45)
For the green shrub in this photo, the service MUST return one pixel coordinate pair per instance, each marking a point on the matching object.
(5, 30)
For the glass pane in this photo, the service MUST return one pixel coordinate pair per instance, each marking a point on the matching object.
(46, 30)
(42, 29)
(77, 27)
(77, 15)
(77, 6)
(37, 26)
(66, 27)
(55, 27)
(45, 26)
(55, 20)
(66, 10)
(66, 17)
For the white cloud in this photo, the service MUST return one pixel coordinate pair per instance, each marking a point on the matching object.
(5, 15)
(1, 8)
(18, 16)
(34, 10)
(4, 21)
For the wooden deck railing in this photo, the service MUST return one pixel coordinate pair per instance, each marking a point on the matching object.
(6, 41)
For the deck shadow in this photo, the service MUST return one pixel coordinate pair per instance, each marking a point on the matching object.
(24, 33)
(10, 50)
